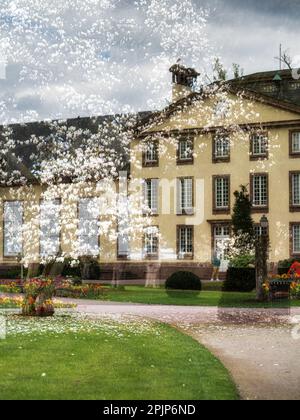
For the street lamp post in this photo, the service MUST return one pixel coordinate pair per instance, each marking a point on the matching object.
(261, 257)
(20, 258)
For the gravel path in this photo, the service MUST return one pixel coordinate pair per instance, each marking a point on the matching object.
(261, 348)
(263, 360)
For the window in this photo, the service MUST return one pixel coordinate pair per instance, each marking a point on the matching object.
(185, 151)
(151, 242)
(295, 143)
(259, 145)
(222, 231)
(294, 85)
(221, 187)
(150, 155)
(259, 189)
(185, 235)
(151, 195)
(269, 88)
(294, 191)
(88, 227)
(13, 221)
(221, 148)
(50, 228)
(295, 239)
(185, 196)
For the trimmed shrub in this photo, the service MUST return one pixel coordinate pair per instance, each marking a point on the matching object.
(284, 265)
(240, 280)
(242, 261)
(183, 280)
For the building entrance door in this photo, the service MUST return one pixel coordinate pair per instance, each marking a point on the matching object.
(221, 245)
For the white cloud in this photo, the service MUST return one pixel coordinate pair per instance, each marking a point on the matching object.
(105, 56)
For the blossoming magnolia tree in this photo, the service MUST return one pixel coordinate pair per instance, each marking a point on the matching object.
(75, 56)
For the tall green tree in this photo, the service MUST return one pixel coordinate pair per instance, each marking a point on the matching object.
(242, 223)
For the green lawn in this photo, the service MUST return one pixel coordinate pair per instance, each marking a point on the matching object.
(138, 294)
(212, 295)
(113, 362)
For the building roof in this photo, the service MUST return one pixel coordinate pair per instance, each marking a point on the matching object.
(277, 84)
(34, 143)
(275, 88)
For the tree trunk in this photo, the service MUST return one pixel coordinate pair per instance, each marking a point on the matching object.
(152, 275)
(261, 256)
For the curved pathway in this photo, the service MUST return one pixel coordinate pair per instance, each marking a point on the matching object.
(260, 347)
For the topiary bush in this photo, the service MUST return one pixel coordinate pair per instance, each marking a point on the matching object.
(183, 280)
(240, 280)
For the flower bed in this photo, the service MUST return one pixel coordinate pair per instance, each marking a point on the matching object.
(89, 291)
(282, 287)
(10, 287)
(295, 290)
(62, 288)
(13, 302)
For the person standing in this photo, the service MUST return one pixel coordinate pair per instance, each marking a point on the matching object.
(216, 263)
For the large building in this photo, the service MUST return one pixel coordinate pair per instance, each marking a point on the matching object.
(186, 162)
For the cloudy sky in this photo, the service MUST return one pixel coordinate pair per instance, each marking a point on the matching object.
(250, 31)
(66, 58)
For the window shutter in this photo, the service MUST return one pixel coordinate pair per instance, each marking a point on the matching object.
(123, 224)
(178, 196)
(145, 193)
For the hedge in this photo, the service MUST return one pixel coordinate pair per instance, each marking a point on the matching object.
(240, 280)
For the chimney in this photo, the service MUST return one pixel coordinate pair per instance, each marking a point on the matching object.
(183, 79)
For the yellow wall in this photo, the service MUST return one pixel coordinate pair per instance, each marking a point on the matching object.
(239, 168)
(197, 116)
(30, 197)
